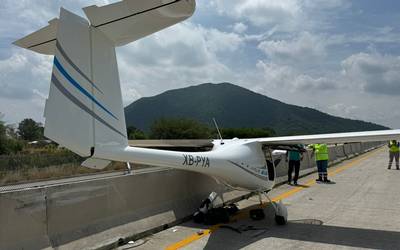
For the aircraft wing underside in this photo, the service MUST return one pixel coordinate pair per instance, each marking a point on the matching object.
(380, 135)
(277, 143)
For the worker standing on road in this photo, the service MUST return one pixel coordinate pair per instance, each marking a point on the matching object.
(294, 158)
(394, 149)
(321, 158)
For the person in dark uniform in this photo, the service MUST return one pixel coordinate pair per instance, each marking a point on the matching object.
(294, 158)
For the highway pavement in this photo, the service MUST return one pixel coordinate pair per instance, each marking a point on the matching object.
(360, 210)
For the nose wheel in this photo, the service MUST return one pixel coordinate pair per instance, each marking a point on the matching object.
(280, 220)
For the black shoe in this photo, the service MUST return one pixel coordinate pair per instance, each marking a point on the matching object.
(319, 180)
(327, 181)
(295, 183)
(388, 167)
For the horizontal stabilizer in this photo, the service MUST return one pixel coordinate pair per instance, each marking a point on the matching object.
(95, 163)
(42, 41)
(129, 20)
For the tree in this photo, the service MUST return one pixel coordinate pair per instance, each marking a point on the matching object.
(11, 131)
(3, 138)
(30, 130)
(179, 128)
(2, 129)
(135, 133)
(8, 144)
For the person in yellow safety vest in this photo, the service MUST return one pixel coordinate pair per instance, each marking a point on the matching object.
(394, 149)
(321, 158)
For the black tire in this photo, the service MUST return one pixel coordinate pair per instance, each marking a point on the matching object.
(257, 214)
(280, 220)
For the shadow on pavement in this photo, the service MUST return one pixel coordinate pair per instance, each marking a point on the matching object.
(308, 230)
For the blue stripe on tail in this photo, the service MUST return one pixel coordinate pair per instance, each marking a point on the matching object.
(79, 87)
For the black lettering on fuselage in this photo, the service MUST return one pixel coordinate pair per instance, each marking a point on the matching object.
(196, 161)
(207, 164)
(185, 161)
(191, 160)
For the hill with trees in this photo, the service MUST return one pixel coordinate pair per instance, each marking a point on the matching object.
(237, 107)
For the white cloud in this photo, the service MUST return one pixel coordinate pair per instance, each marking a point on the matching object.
(267, 12)
(326, 5)
(306, 82)
(304, 48)
(260, 13)
(284, 15)
(176, 57)
(219, 41)
(23, 72)
(286, 77)
(184, 44)
(344, 110)
(239, 27)
(374, 72)
(16, 110)
(375, 36)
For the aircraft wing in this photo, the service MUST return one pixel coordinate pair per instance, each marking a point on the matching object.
(282, 143)
(380, 135)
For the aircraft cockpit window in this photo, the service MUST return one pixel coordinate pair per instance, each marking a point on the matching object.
(263, 172)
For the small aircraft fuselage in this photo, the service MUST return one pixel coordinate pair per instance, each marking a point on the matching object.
(233, 162)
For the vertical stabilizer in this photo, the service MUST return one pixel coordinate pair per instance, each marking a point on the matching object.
(84, 108)
(110, 130)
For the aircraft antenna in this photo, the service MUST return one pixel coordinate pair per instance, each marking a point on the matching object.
(219, 133)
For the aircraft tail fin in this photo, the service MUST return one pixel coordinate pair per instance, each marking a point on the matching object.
(84, 108)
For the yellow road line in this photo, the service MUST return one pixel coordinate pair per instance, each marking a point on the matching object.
(287, 194)
(192, 238)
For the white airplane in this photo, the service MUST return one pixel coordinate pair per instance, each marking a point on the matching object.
(84, 110)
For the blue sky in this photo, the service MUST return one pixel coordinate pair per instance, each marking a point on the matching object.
(341, 57)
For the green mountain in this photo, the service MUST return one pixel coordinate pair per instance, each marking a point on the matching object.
(234, 107)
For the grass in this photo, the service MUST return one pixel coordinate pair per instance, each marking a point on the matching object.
(52, 172)
(34, 164)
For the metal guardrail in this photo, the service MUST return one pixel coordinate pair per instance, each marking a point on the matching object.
(75, 179)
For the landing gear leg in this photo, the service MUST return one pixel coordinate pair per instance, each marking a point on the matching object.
(258, 213)
(128, 168)
(260, 198)
(220, 194)
(281, 213)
